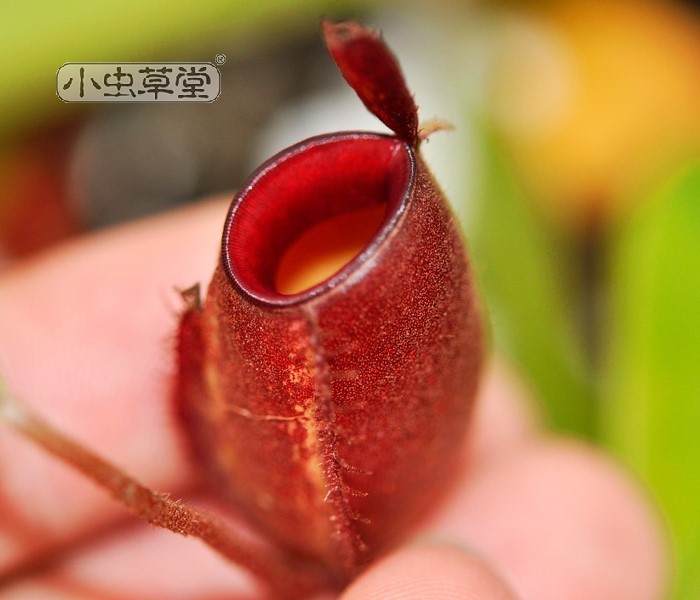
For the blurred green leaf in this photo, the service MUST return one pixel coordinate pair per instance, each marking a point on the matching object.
(652, 395)
(521, 268)
(36, 38)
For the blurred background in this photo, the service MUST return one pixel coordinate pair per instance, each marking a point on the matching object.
(574, 168)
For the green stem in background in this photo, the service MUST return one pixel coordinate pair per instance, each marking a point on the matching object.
(651, 399)
(521, 269)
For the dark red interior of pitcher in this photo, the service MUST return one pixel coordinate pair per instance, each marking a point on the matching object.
(301, 187)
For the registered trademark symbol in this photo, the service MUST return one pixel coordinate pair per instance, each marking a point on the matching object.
(220, 59)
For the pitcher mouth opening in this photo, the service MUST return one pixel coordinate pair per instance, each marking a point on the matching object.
(314, 214)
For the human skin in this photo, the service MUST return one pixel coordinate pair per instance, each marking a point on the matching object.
(86, 336)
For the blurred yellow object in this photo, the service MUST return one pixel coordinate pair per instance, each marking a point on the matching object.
(596, 99)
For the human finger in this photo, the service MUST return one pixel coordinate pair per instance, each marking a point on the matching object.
(86, 335)
(429, 571)
(560, 520)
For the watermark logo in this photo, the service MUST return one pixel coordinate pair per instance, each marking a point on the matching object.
(139, 82)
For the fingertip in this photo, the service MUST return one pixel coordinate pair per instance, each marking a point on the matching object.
(561, 519)
(429, 571)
